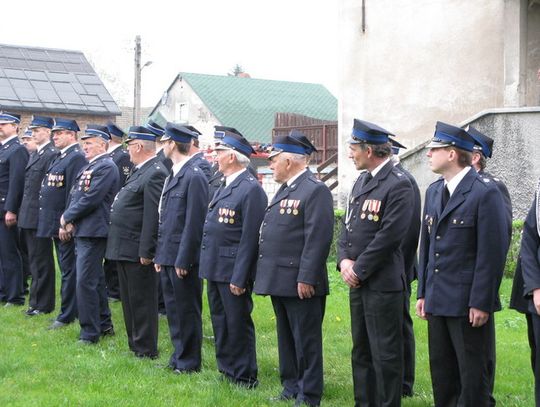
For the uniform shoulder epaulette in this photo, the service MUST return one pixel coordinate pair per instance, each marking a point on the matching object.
(440, 179)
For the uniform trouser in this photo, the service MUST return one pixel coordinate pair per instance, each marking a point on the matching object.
(458, 359)
(94, 313)
(408, 345)
(183, 302)
(65, 254)
(533, 330)
(25, 262)
(377, 354)
(11, 272)
(234, 333)
(299, 332)
(111, 278)
(41, 263)
(138, 292)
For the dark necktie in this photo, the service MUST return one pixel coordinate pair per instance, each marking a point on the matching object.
(445, 196)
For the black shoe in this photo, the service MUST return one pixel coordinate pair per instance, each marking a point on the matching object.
(407, 393)
(185, 371)
(282, 397)
(57, 325)
(146, 355)
(108, 332)
(33, 312)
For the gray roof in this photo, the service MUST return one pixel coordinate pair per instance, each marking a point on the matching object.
(51, 80)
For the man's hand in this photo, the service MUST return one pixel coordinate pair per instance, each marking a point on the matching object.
(236, 290)
(347, 273)
(477, 318)
(70, 228)
(144, 261)
(420, 308)
(305, 290)
(158, 268)
(64, 235)
(536, 300)
(10, 219)
(181, 273)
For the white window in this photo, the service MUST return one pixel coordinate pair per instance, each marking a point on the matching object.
(181, 113)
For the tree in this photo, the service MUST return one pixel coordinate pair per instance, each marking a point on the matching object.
(236, 71)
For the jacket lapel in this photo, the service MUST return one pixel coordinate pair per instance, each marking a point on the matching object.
(224, 192)
(458, 197)
(372, 184)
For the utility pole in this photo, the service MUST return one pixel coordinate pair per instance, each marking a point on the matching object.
(137, 85)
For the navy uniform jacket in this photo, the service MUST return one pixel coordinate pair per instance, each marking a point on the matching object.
(121, 158)
(410, 244)
(201, 162)
(35, 171)
(215, 180)
(463, 248)
(530, 256)
(13, 159)
(134, 214)
(379, 215)
(55, 189)
(295, 239)
(487, 177)
(91, 198)
(183, 208)
(229, 248)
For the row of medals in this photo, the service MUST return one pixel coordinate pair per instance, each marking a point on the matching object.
(55, 180)
(289, 206)
(373, 207)
(226, 215)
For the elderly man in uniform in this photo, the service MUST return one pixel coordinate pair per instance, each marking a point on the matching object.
(13, 159)
(40, 249)
(87, 217)
(53, 199)
(131, 242)
(181, 217)
(229, 257)
(409, 248)
(294, 243)
(483, 150)
(120, 157)
(371, 262)
(462, 255)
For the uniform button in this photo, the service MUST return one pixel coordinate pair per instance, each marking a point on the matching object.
(264, 224)
(204, 234)
(40, 209)
(262, 240)
(260, 256)
(437, 254)
(204, 221)
(436, 270)
(203, 247)
(350, 244)
(291, 263)
(437, 237)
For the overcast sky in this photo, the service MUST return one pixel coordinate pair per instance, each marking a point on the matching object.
(293, 40)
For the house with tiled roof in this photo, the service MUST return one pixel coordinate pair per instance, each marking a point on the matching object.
(53, 82)
(245, 103)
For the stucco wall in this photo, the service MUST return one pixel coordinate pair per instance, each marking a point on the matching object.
(515, 154)
(533, 56)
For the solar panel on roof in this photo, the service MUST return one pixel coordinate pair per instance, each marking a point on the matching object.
(36, 75)
(41, 85)
(37, 54)
(26, 94)
(55, 66)
(7, 93)
(14, 73)
(70, 97)
(46, 95)
(21, 84)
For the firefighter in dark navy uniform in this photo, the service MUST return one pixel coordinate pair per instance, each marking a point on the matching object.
(40, 250)
(13, 159)
(294, 243)
(53, 199)
(371, 262)
(229, 258)
(181, 216)
(120, 157)
(197, 156)
(87, 218)
(131, 242)
(464, 241)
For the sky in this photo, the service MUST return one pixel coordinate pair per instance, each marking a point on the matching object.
(293, 40)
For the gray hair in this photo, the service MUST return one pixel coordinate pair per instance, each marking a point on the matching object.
(241, 159)
(148, 145)
(298, 158)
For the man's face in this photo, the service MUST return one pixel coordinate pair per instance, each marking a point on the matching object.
(7, 130)
(279, 165)
(439, 159)
(93, 147)
(41, 135)
(62, 138)
(358, 156)
(30, 144)
(134, 148)
(168, 147)
(224, 159)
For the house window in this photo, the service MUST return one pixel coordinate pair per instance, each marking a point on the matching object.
(181, 114)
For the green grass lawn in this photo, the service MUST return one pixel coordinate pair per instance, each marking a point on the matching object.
(44, 368)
